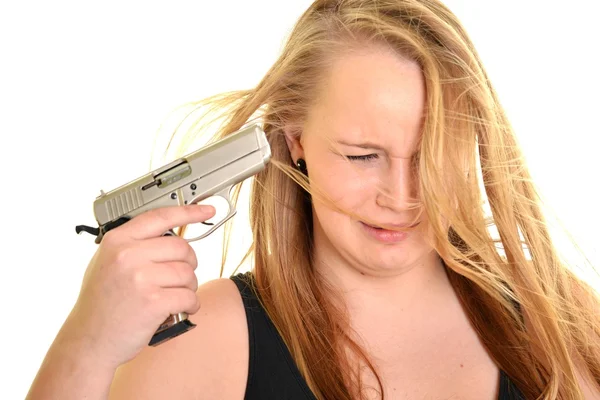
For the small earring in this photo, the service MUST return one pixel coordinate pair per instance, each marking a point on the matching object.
(301, 164)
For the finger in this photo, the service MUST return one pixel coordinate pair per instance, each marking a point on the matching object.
(156, 222)
(177, 300)
(166, 248)
(174, 274)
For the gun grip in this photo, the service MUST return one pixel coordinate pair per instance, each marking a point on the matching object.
(172, 327)
(175, 324)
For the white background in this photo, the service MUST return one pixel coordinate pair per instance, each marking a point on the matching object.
(85, 86)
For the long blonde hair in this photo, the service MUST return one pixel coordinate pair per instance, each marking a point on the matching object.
(536, 318)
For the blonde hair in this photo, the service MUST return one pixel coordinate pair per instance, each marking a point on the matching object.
(536, 318)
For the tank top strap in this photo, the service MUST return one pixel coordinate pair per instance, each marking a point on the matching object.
(272, 372)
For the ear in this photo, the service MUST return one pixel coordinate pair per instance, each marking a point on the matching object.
(294, 143)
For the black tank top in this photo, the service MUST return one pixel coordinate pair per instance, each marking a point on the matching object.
(273, 373)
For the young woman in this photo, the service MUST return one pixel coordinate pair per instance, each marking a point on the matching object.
(375, 274)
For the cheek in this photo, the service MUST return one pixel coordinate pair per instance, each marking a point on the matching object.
(344, 185)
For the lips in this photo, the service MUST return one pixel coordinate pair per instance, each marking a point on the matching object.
(374, 227)
(384, 235)
(398, 226)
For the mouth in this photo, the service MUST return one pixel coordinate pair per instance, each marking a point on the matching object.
(392, 227)
(397, 234)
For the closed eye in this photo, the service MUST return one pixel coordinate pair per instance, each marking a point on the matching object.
(366, 157)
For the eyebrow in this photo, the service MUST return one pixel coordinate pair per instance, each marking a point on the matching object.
(363, 145)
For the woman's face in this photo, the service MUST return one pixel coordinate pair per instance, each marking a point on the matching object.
(371, 108)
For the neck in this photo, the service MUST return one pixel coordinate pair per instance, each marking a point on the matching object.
(415, 287)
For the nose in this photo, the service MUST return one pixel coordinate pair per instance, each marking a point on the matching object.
(398, 188)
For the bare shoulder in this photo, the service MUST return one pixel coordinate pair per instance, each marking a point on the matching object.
(207, 362)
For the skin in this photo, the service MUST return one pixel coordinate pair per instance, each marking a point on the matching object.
(375, 97)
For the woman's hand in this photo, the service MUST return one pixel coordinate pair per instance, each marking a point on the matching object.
(135, 280)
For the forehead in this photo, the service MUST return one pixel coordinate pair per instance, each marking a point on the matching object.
(371, 96)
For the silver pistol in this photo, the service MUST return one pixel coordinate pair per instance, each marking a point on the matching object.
(212, 170)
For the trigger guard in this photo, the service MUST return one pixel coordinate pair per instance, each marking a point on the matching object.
(232, 211)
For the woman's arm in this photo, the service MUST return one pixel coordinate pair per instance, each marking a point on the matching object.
(207, 362)
(72, 370)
